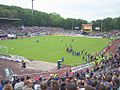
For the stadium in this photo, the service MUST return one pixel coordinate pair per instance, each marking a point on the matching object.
(48, 55)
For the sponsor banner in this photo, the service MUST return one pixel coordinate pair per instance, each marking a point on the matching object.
(81, 67)
(19, 58)
(15, 58)
(114, 37)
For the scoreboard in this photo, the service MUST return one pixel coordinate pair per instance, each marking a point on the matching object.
(87, 27)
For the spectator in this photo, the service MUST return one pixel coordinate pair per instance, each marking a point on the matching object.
(89, 88)
(28, 85)
(101, 87)
(37, 85)
(55, 85)
(43, 85)
(8, 85)
(0, 87)
(19, 84)
(71, 86)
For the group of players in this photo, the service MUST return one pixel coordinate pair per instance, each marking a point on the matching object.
(69, 49)
(85, 55)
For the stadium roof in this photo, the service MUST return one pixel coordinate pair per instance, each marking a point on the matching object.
(9, 19)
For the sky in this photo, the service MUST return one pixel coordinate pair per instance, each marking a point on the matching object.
(78, 9)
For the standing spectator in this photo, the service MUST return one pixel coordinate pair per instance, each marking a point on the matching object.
(8, 86)
(101, 87)
(19, 84)
(0, 87)
(37, 85)
(55, 85)
(89, 88)
(43, 85)
(71, 86)
(28, 86)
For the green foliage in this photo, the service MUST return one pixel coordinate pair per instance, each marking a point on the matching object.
(53, 19)
(108, 24)
(39, 18)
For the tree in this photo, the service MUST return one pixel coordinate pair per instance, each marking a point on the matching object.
(54, 19)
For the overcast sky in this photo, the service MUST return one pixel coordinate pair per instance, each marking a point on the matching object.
(79, 9)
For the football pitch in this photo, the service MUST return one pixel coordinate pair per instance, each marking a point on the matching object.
(53, 48)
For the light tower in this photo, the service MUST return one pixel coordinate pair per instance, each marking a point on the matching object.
(101, 25)
(32, 14)
(32, 7)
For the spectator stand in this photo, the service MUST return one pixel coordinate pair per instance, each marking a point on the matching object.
(7, 27)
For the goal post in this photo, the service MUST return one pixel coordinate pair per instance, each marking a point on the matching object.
(3, 50)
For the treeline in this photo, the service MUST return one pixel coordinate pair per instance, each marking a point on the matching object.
(107, 24)
(38, 18)
(53, 19)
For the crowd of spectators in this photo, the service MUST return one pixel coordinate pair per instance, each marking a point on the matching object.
(36, 29)
(22, 30)
(103, 76)
(6, 28)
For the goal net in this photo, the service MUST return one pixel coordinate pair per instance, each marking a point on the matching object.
(3, 50)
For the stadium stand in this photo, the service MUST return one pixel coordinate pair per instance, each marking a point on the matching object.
(104, 76)
(6, 27)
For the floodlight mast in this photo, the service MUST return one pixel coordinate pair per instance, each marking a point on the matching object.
(32, 13)
(32, 7)
(101, 25)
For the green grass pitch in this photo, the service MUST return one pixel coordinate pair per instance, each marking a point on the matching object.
(52, 48)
